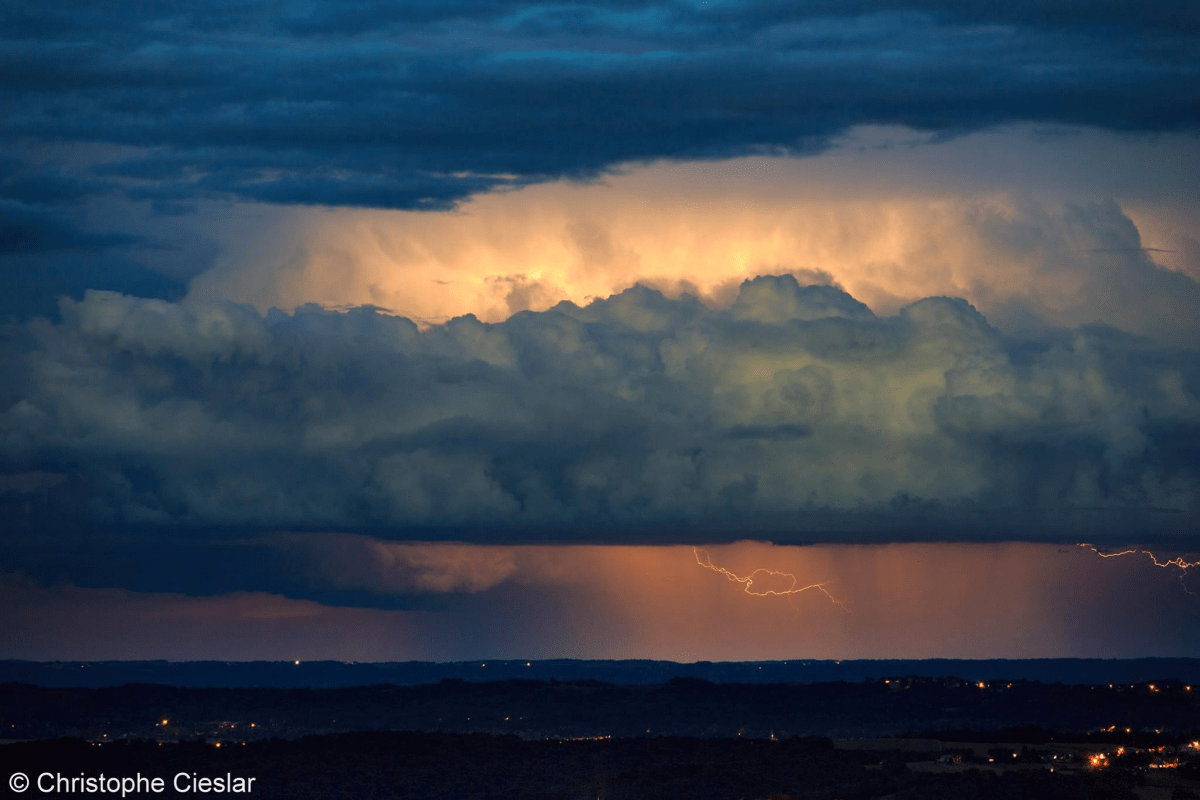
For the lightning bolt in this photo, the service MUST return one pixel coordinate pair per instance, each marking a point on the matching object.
(1178, 562)
(760, 575)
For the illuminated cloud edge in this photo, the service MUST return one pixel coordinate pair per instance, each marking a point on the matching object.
(796, 414)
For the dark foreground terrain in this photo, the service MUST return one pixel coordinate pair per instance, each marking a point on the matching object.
(431, 765)
(536, 709)
(899, 738)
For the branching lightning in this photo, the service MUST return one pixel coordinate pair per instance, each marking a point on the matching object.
(1178, 562)
(760, 576)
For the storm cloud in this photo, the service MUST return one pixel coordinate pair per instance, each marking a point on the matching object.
(420, 105)
(380, 329)
(796, 413)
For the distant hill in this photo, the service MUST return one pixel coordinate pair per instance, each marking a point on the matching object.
(535, 709)
(332, 674)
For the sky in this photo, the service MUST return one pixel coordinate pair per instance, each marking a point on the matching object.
(685, 330)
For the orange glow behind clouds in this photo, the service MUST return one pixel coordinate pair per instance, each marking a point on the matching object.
(890, 225)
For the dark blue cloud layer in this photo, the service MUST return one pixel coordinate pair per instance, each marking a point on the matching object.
(418, 105)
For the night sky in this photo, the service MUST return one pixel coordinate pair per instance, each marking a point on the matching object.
(455, 329)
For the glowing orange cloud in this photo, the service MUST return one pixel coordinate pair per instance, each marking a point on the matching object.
(882, 224)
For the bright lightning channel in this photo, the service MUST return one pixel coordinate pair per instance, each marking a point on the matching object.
(748, 581)
(1179, 562)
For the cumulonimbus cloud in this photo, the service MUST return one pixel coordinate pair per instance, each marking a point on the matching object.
(794, 412)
